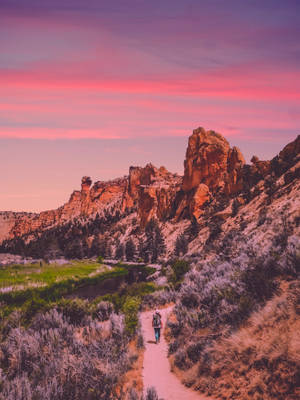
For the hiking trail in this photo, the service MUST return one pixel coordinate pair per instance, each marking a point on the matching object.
(156, 367)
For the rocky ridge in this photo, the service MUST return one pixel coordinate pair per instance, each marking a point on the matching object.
(214, 173)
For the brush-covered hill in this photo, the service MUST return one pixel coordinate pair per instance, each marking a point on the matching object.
(152, 208)
(234, 331)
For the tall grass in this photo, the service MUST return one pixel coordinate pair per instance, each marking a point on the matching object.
(40, 298)
(48, 274)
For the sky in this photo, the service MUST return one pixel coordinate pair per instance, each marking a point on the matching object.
(92, 87)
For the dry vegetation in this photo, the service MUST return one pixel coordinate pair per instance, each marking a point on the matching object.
(235, 330)
(55, 358)
(261, 361)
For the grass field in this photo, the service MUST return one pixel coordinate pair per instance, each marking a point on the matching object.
(35, 287)
(14, 276)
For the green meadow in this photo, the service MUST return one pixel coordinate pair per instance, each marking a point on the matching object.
(46, 274)
(36, 287)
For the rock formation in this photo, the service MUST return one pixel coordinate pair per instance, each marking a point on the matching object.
(211, 161)
(152, 191)
(211, 169)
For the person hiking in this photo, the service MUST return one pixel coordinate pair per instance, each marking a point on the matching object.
(157, 325)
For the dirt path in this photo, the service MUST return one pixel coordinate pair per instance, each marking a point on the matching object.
(156, 368)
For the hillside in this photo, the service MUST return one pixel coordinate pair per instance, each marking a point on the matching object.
(226, 246)
(218, 194)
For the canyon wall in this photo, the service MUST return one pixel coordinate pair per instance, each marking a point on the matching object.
(211, 168)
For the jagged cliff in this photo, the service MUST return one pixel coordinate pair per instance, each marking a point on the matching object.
(213, 172)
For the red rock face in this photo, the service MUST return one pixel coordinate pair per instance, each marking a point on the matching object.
(260, 168)
(291, 150)
(210, 167)
(153, 191)
(199, 198)
(205, 161)
(88, 201)
(211, 161)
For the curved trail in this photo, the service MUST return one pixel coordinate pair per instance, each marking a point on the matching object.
(156, 368)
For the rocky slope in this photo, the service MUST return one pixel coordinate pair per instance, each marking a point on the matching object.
(218, 192)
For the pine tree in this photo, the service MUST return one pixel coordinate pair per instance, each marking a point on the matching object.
(154, 245)
(120, 251)
(102, 247)
(193, 229)
(159, 245)
(130, 250)
(74, 249)
(181, 245)
(141, 250)
(235, 207)
(95, 248)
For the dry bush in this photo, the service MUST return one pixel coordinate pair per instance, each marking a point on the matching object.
(103, 310)
(158, 298)
(55, 358)
(215, 300)
(260, 361)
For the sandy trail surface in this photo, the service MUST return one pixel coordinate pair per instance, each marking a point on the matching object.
(156, 368)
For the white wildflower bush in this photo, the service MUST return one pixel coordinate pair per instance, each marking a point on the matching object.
(53, 358)
(159, 298)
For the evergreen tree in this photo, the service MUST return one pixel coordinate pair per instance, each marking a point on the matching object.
(130, 250)
(102, 247)
(159, 245)
(120, 251)
(95, 248)
(235, 207)
(141, 249)
(154, 245)
(181, 245)
(74, 249)
(193, 229)
(109, 250)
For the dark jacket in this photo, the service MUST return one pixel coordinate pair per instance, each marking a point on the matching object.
(156, 322)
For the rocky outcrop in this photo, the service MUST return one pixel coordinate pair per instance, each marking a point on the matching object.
(86, 202)
(288, 157)
(211, 161)
(212, 169)
(152, 190)
(8, 220)
(85, 184)
(262, 168)
(199, 198)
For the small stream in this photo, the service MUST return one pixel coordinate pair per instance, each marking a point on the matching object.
(110, 285)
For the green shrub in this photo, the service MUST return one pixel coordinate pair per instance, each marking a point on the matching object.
(180, 268)
(33, 306)
(130, 309)
(74, 310)
(100, 259)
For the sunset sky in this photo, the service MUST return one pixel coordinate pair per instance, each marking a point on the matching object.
(90, 87)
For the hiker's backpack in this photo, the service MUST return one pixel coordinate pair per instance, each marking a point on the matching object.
(156, 321)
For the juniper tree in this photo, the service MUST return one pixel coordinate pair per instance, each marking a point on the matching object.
(181, 245)
(154, 245)
(119, 251)
(130, 250)
(95, 248)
